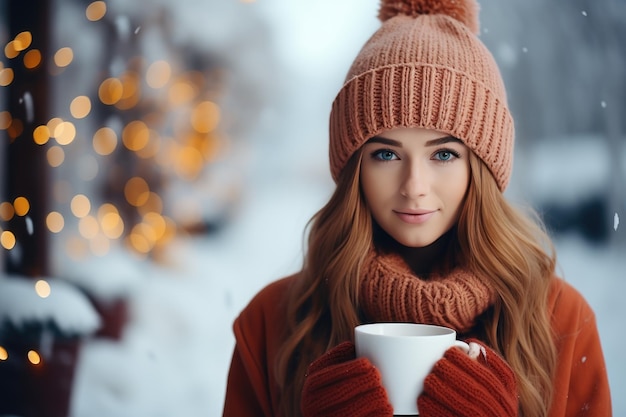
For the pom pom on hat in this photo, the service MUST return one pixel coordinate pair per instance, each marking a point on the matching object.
(465, 11)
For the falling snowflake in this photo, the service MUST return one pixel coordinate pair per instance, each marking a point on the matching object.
(584, 13)
(615, 221)
(603, 104)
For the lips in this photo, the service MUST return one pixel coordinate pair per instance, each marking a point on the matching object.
(414, 216)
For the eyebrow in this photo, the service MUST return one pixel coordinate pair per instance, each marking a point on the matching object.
(432, 142)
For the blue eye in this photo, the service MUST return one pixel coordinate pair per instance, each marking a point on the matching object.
(384, 155)
(445, 155)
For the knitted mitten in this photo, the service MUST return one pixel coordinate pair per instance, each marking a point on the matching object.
(339, 384)
(461, 386)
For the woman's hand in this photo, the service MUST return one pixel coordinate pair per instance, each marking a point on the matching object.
(478, 384)
(339, 384)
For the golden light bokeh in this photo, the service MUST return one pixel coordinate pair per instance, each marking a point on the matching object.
(104, 141)
(152, 147)
(88, 227)
(158, 74)
(80, 205)
(157, 223)
(5, 120)
(22, 40)
(53, 123)
(63, 57)
(42, 288)
(34, 357)
(205, 117)
(55, 156)
(96, 11)
(4, 355)
(131, 93)
(6, 211)
(80, 107)
(32, 59)
(10, 50)
(182, 91)
(137, 191)
(154, 204)
(189, 162)
(139, 242)
(21, 206)
(55, 222)
(7, 240)
(135, 135)
(6, 76)
(64, 133)
(112, 225)
(41, 135)
(16, 128)
(110, 91)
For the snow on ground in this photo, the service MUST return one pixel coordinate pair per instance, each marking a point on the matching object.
(174, 356)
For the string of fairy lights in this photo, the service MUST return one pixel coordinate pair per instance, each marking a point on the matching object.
(189, 98)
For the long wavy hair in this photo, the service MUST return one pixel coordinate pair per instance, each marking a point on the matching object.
(506, 246)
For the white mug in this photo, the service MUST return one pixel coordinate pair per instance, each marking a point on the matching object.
(404, 354)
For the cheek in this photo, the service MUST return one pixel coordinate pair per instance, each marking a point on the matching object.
(457, 188)
(375, 188)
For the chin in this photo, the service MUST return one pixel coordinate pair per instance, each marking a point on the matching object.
(412, 242)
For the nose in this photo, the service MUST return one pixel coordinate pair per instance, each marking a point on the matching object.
(416, 181)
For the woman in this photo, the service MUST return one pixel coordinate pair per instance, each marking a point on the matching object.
(418, 230)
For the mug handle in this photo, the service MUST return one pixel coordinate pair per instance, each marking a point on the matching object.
(461, 344)
(474, 350)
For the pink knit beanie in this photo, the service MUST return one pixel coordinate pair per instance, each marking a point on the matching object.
(425, 67)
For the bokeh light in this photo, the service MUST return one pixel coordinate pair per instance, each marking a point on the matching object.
(5, 120)
(205, 117)
(41, 135)
(21, 205)
(55, 222)
(110, 91)
(7, 239)
(104, 141)
(80, 205)
(158, 74)
(42, 288)
(137, 191)
(64, 133)
(34, 357)
(10, 50)
(32, 59)
(6, 211)
(80, 107)
(88, 227)
(6, 76)
(55, 156)
(96, 11)
(135, 135)
(22, 41)
(64, 57)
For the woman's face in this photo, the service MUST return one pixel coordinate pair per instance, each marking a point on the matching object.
(414, 181)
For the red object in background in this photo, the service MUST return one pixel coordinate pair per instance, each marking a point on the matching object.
(113, 315)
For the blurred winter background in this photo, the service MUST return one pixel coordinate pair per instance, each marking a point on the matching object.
(159, 161)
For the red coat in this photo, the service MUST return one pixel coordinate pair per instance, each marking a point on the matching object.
(581, 386)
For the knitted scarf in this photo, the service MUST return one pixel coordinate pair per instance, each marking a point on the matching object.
(390, 291)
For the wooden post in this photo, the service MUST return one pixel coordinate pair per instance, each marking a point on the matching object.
(24, 168)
